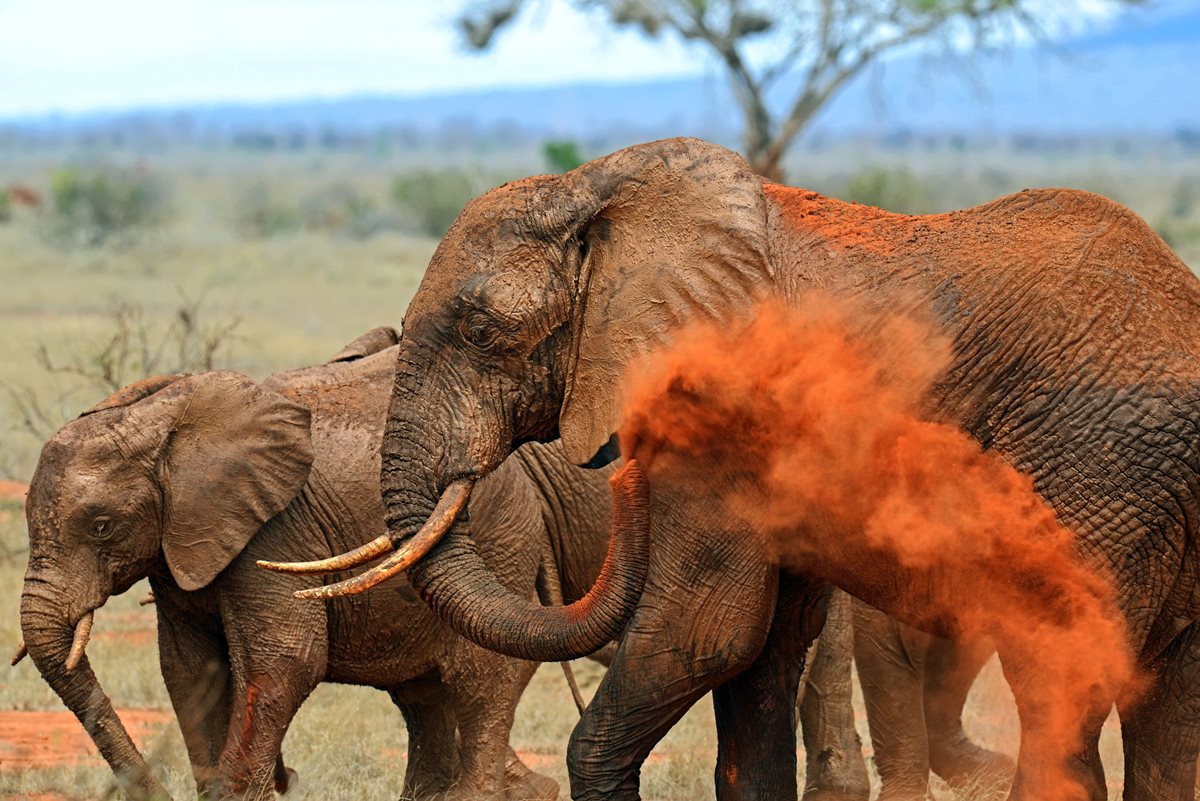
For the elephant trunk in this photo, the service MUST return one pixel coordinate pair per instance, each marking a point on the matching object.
(52, 639)
(459, 587)
(417, 470)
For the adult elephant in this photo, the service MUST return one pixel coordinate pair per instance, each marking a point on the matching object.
(188, 479)
(1074, 358)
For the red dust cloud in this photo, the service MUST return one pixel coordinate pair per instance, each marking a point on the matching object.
(811, 424)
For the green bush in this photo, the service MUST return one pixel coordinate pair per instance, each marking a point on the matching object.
(5, 207)
(258, 213)
(92, 207)
(562, 155)
(432, 199)
(896, 190)
(338, 209)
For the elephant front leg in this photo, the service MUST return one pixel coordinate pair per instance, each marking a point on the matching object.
(951, 668)
(1041, 775)
(432, 742)
(484, 689)
(703, 617)
(756, 709)
(891, 672)
(834, 764)
(195, 670)
(1161, 731)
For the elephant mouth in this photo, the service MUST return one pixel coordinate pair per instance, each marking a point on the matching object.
(449, 507)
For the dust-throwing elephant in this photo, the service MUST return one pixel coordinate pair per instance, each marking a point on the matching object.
(1074, 357)
(189, 479)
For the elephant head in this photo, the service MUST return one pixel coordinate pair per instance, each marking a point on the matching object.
(534, 302)
(170, 476)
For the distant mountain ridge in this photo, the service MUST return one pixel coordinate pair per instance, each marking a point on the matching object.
(1141, 76)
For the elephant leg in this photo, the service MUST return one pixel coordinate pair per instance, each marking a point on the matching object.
(484, 689)
(834, 764)
(195, 670)
(1161, 729)
(890, 670)
(432, 742)
(703, 617)
(756, 709)
(950, 670)
(275, 666)
(1083, 767)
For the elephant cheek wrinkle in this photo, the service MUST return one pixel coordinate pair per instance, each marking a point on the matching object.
(816, 416)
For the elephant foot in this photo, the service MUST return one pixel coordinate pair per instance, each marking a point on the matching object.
(835, 795)
(959, 760)
(838, 774)
(522, 784)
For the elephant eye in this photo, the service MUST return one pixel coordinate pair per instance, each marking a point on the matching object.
(479, 330)
(583, 249)
(102, 528)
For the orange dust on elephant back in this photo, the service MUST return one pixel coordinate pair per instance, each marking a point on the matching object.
(812, 424)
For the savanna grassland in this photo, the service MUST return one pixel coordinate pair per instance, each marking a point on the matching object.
(264, 260)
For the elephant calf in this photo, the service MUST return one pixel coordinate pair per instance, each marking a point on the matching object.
(188, 480)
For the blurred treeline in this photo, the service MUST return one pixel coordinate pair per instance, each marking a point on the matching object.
(85, 193)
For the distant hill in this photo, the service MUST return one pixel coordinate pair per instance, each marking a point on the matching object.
(1136, 78)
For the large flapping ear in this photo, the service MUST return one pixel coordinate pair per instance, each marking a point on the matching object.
(675, 232)
(138, 390)
(236, 455)
(373, 341)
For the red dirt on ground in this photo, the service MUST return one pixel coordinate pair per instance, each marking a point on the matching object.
(46, 739)
(13, 491)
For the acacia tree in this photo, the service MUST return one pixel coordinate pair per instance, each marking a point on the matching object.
(818, 44)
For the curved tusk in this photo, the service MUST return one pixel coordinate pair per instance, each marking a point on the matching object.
(148, 600)
(444, 514)
(83, 630)
(359, 556)
(21, 653)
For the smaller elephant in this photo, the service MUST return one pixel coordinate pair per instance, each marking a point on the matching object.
(189, 479)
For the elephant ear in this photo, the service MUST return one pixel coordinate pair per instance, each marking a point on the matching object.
(373, 341)
(675, 232)
(235, 456)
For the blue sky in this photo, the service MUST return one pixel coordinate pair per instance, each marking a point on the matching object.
(76, 56)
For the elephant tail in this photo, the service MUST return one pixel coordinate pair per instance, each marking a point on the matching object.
(549, 590)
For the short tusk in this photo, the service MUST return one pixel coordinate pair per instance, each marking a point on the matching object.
(83, 630)
(359, 556)
(448, 508)
(148, 600)
(21, 653)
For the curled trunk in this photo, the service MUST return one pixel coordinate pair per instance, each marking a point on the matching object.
(48, 636)
(464, 592)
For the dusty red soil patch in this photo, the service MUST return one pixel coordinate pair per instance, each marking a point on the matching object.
(34, 797)
(46, 739)
(13, 491)
(134, 637)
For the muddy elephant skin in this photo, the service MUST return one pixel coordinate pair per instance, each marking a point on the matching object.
(1074, 357)
(190, 479)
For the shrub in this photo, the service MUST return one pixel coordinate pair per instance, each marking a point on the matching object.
(562, 155)
(5, 207)
(432, 199)
(258, 213)
(892, 189)
(91, 207)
